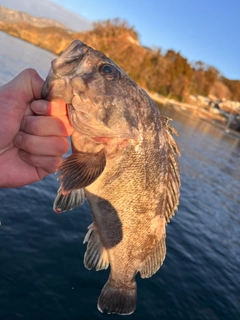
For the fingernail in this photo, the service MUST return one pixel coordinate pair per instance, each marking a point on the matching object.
(39, 106)
(17, 140)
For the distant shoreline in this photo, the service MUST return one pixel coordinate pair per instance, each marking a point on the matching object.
(195, 110)
(33, 38)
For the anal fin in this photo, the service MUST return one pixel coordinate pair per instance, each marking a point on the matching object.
(68, 202)
(154, 260)
(96, 255)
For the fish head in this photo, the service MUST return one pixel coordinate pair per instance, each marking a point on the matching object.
(101, 97)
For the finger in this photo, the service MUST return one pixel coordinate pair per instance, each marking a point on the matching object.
(49, 108)
(27, 85)
(47, 163)
(15, 98)
(46, 126)
(41, 146)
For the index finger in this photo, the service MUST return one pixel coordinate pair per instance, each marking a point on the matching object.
(49, 108)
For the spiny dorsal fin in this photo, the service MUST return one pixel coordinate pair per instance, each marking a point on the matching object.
(96, 255)
(173, 180)
(80, 170)
(170, 130)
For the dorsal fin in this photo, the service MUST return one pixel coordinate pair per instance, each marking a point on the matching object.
(80, 170)
(154, 260)
(173, 180)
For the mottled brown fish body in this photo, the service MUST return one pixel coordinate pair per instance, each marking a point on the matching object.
(124, 157)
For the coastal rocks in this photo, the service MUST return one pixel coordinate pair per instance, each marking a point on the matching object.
(229, 106)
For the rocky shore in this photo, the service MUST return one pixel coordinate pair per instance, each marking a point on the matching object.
(229, 121)
(195, 110)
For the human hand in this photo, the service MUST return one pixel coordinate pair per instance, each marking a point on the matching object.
(33, 132)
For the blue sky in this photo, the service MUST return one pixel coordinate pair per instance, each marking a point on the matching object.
(206, 30)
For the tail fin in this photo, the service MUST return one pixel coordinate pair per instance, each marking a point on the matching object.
(120, 300)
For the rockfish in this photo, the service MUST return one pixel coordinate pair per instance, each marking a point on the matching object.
(124, 161)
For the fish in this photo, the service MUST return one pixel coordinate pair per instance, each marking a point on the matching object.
(124, 161)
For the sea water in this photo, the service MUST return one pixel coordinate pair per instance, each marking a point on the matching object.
(42, 275)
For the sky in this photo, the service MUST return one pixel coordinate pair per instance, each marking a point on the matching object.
(205, 30)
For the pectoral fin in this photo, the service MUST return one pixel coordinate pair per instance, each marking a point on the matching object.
(80, 170)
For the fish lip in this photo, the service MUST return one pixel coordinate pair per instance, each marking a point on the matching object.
(102, 139)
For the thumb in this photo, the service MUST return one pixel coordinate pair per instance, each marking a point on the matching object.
(21, 90)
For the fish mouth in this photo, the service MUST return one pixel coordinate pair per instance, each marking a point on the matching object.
(88, 125)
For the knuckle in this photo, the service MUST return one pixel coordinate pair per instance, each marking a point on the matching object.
(27, 157)
(30, 143)
(30, 72)
(23, 123)
(28, 125)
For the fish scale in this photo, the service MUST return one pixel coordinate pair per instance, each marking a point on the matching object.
(124, 161)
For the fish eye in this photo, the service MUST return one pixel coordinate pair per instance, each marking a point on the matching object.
(108, 71)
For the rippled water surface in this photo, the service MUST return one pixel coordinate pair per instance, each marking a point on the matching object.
(41, 253)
